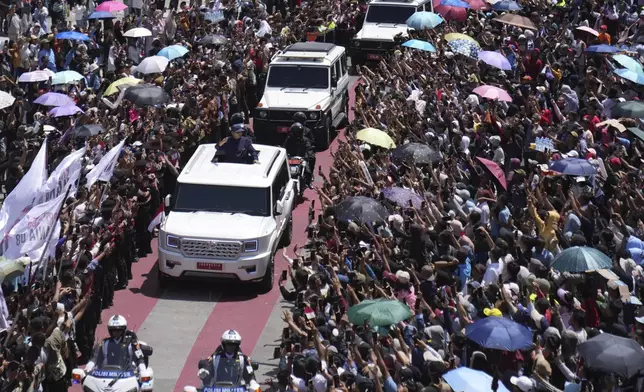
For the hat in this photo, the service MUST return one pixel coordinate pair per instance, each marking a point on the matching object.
(494, 312)
(93, 67)
(402, 276)
(524, 383)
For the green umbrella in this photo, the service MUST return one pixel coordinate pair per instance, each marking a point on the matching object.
(379, 312)
(637, 132)
(11, 268)
(631, 109)
(581, 259)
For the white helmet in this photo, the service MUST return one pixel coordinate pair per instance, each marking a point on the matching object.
(231, 337)
(117, 323)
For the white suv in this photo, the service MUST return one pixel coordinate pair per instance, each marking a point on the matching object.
(226, 220)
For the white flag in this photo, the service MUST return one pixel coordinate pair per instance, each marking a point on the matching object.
(105, 167)
(24, 195)
(31, 232)
(49, 249)
(65, 175)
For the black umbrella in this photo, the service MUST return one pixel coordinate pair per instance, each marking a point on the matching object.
(613, 354)
(146, 95)
(417, 153)
(87, 130)
(213, 40)
(360, 209)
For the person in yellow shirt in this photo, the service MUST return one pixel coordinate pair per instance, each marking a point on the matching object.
(546, 228)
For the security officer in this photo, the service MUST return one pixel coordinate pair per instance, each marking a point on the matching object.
(239, 118)
(216, 368)
(300, 117)
(237, 148)
(111, 352)
(297, 144)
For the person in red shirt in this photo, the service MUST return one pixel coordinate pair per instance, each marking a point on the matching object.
(533, 64)
(603, 36)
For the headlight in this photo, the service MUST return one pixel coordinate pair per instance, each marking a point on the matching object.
(263, 114)
(250, 246)
(172, 241)
(356, 43)
(313, 115)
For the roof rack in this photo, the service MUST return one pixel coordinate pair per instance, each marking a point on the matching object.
(320, 47)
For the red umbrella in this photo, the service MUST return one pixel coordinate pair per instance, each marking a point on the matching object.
(450, 13)
(478, 4)
(495, 170)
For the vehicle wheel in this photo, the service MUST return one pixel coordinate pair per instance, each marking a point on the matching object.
(266, 284)
(287, 235)
(323, 138)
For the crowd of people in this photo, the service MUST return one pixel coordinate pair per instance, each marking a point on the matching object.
(474, 244)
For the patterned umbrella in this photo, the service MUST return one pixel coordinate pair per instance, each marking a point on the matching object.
(581, 259)
(402, 196)
(360, 209)
(417, 153)
(214, 40)
(465, 47)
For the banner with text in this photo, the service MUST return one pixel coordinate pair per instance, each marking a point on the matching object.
(104, 169)
(66, 174)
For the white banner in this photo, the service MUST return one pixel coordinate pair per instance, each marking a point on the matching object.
(105, 167)
(24, 195)
(48, 249)
(65, 175)
(30, 233)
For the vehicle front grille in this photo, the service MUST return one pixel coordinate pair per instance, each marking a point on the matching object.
(281, 115)
(211, 249)
(376, 45)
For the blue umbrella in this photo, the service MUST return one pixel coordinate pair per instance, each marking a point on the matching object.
(628, 63)
(581, 259)
(506, 5)
(424, 20)
(470, 380)
(465, 47)
(214, 16)
(573, 167)
(73, 35)
(602, 49)
(635, 77)
(173, 52)
(499, 333)
(418, 44)
(402, 197)
(101, 15)
(455, 3)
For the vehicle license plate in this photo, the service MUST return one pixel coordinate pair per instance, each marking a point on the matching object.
(373, 57)
(224, 389)
(210, 266)
(282, 129)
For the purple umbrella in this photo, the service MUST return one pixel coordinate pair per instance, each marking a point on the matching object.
(67, 110)
(402, 197)
(495, 59)
(54, 99)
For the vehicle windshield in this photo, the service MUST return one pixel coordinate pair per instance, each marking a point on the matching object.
(217, 198)
(292, 76)
(115, 366)
(389, 14)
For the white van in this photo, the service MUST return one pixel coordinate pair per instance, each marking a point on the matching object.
(226, 220)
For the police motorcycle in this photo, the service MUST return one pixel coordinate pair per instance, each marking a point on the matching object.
(297, 167)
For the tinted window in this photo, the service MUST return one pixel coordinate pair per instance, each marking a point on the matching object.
(389, 14)
(216, 198)
(343, 59)
(298, 77)
(279, 186)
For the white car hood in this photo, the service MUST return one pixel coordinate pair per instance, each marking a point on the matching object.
(217, 225)
(381, 32)
(293, 98)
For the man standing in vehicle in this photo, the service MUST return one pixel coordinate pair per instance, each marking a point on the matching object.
(227, 364)
(237, 148)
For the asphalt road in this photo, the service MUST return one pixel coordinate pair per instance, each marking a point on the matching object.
(184, 323)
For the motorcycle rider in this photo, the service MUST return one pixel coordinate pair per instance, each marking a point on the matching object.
(300, 117)
(109, 351)
(297, 144)
(209, 370)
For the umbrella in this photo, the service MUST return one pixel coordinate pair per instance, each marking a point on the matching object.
(602, 49)
(455, 3)
(138, 32)
(516, 20)
(101, 15)
(465, 47)
(378, 312)
(214, 40)
(6, 100)
(470, 380)
(588, 30)
(63, 111)
(633, 76)
(499, 333)
(417, 153)
(35, 76)
(424, 20)
(376, 137)
(635, 131)
(450, 13)
(110, 6)
(10, 269)
(214, 16)
(402, 196)
(54, 99)
(66, 77)
(581, 259)
(421, 45)
(612, 123)
(628, 63)
(173, 51)
(87, 130)
(152, 64)
(458, 36)
(360, 209)
(506, 6)
(495, 170)
(73, 35)
(495, 59)
(493, 92)
(126, 81)
(631, 109)
(478, 4)
(146, 95)
(613, 354)
(573, 167)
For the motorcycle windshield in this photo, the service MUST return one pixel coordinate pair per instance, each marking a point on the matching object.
(228, 372)
(116, 363)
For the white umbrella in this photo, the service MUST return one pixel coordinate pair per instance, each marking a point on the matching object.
(6, 100)
(152, 64)
(35, 76)
(138, 32)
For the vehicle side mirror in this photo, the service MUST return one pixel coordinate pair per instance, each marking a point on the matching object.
(166, 202)
(279, 208)
(255, 366)
(146, 350)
